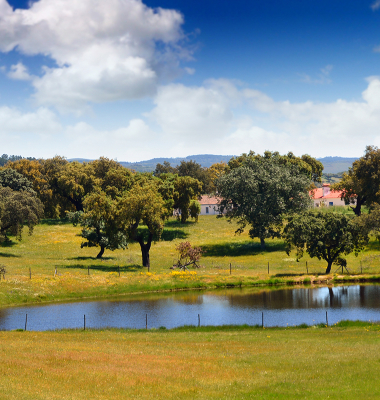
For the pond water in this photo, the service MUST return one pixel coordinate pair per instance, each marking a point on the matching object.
(280, 307)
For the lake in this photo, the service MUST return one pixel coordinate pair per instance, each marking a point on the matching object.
(281, 307)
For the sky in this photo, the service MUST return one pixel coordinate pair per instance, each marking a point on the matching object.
(133, 80)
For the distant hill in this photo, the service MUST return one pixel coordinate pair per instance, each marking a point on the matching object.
(332, 165)
(206, 160)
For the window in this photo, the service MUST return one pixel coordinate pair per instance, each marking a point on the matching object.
(206, 210)
(331, 203)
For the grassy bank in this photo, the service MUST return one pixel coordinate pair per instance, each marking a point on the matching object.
(55, 246)
(193, 363)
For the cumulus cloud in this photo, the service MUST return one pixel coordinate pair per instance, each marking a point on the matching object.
(104, 51)
(210, 118)
(19, 72)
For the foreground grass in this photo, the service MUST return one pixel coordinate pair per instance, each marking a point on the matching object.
(192, 363)
(55, 246)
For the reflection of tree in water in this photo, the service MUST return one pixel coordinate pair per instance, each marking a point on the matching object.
(333, 297)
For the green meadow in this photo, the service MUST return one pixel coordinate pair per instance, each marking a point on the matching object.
(339, 362)
(51, 266)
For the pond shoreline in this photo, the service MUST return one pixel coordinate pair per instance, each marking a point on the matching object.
(309, 281)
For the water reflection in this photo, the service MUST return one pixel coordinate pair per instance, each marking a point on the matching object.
(230, 306)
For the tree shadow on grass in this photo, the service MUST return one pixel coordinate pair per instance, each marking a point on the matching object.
(240, 249)
(91, 258)
(104, 268)
(8, 255)
(7, 243)
(167, 235)
(55, 221)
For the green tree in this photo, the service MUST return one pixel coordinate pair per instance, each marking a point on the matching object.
(306, 164)
(361, 184)
(186, 189)
(260, 193)
(100, 227)
(142, 205)
(14, 180)
(325, 235)
(18, 209)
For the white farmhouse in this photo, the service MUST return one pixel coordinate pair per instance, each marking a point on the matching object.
(325, 197)
(209, 205)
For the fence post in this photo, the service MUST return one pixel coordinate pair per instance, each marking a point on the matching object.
(199, 321)
(230, 268)
(262, 319)
(84, 322)
(146, 321)
(327, 320)
(268, 267)
(26, 320)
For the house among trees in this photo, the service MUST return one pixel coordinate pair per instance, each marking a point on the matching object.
(324, 197)
(209, 205)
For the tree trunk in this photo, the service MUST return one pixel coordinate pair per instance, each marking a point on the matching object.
(145, 250)
(145, 256)
(101, 252)
(262, 243)
(329, 265)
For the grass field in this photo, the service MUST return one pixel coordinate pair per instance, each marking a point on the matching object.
(55, 245)
(193, 363)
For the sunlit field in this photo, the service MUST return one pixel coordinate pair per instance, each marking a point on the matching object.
(192, 363)
(51, 266)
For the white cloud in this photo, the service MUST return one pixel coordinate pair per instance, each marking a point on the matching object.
(211, 119)
(104, 51)
(376, 5)
(19, 72)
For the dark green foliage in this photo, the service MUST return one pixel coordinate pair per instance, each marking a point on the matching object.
(260, 192)
(5, 158)
(326, 236)
(12, 179)
(18, 209)
(360, 185)
(99, 222)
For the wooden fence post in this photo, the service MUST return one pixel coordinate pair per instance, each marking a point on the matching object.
(268, 267)
(199, 321)
(146, 321)
(327, 320)
(230, 268)
(26, 320)
(84, 322)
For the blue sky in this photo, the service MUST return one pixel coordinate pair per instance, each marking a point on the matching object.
(132, 80)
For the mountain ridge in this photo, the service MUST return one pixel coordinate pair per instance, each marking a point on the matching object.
(332, 164)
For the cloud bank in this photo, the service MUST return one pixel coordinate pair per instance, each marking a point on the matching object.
(103, 50)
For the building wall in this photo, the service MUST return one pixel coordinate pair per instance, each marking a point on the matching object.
(209, 209)
(329, 202)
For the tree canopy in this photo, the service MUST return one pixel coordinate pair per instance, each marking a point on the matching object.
(18, 209)
(100, 227)
(325, 235)
(361, 184)
(261, 192)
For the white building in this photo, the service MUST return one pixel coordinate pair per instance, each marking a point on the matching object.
(324, 197)
(209, 205)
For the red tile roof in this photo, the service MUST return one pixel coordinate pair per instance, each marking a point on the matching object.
(318, 194)
(208, 200)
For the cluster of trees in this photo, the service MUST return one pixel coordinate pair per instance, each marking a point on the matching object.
(270, 195)
(112, 204)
